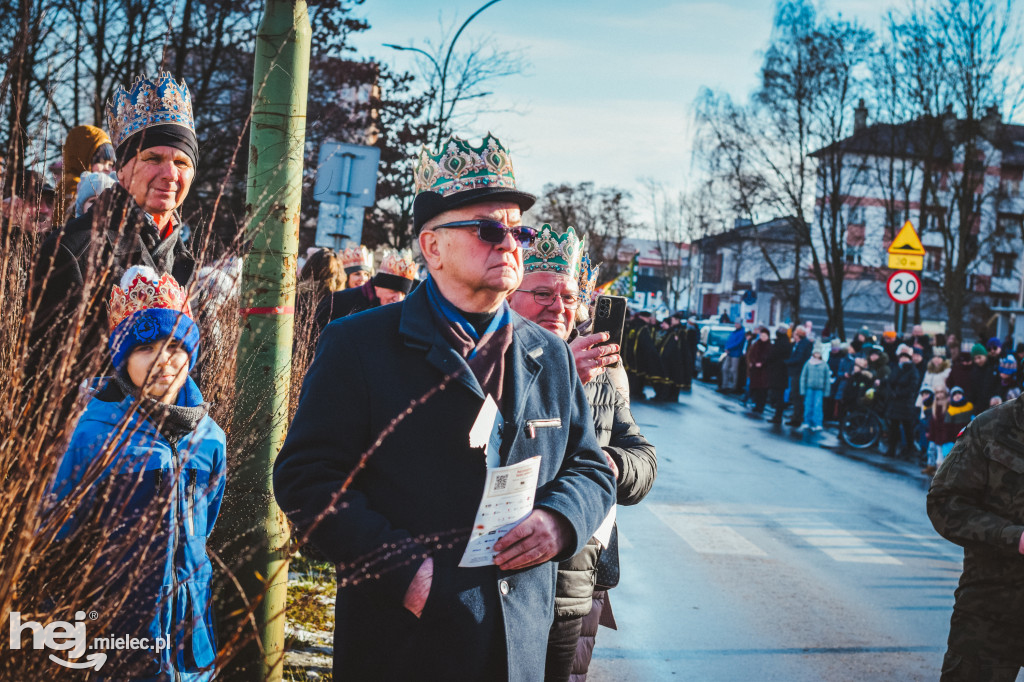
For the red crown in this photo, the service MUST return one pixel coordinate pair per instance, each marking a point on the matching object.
(357, 256)
(399, 263)
(141, 289)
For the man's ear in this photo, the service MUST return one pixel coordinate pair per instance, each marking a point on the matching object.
(122, 172)
(430, 247)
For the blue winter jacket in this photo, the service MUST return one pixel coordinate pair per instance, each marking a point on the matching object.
(734, 344)
(170, 595)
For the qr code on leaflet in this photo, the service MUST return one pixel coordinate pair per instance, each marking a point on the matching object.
(499, 481)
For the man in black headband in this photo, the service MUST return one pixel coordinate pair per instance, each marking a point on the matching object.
(396, 278)
(153, 134)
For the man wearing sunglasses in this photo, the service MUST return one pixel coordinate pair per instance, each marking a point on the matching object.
(378, 472)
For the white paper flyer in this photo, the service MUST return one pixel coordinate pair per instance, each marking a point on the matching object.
(508, 498)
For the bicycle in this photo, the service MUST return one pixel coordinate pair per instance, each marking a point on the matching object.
(862, 428)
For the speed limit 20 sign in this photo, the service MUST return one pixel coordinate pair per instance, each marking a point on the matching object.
(903, 287)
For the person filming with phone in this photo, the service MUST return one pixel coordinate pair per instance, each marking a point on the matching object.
(554, 293)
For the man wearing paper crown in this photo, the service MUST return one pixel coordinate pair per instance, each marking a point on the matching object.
(136, 221)
(358, 264)
(555, 293)
(417, 599)
(395, 279)
(150, 508)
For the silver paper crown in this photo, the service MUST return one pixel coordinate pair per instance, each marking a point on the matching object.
(147, 103)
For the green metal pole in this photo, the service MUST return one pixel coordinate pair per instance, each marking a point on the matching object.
(256, 530)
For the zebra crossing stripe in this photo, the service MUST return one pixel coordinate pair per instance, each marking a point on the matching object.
(841, 545)
(704, 532)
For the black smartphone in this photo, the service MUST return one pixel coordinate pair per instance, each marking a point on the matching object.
(610, 316)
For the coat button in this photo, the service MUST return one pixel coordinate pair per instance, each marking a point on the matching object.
(503, 586)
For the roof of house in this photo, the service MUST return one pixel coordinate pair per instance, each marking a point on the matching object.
(775, 230)
(928, 138)
(650, 251)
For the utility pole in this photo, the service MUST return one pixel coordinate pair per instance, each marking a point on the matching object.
(255, 531)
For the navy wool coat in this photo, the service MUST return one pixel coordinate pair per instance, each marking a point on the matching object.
(418, 492)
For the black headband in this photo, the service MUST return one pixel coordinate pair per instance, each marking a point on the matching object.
(356, 268)
(386, 280)
(163, 135)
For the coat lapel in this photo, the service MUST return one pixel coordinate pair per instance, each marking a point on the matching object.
(527, 351)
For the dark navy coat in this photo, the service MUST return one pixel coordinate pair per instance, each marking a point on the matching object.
(418, 492)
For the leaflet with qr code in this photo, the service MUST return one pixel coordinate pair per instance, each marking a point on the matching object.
(508, 498)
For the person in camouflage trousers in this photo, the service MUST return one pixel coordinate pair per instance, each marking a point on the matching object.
(977, 501)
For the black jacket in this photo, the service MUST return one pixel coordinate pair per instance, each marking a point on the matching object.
(903, 385)
(802, 350)
(778, 375)
(344, 303)
(69, 263)
(638, 466)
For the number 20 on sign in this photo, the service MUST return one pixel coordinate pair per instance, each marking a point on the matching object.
(903, 287)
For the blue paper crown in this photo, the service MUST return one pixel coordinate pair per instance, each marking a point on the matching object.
(588, 277)
(148, 103)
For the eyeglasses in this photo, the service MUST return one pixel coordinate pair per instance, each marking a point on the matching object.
(493, 232)
(545, 298)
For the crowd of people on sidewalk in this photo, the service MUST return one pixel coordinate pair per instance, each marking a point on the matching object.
(926, 387)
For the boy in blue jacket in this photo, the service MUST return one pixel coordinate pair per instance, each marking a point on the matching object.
(145, 473)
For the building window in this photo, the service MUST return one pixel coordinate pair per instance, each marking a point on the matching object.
(933, 258)
(712, 268)
(932, 220)
(896, 217)
(1003, 264)
(855, 235)
(1010, 226)
(1009, 184)
(856, 215)
(853, 254)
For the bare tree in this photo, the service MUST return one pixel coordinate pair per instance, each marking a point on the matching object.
(809, 80)
(602, 215)
(949, 70)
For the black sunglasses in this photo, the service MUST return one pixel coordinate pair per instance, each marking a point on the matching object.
(493, 232)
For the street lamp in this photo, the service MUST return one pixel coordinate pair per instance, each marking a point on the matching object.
(442, 71)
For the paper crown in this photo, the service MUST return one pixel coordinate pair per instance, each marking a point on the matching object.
(399, 263)
(588, 277)
(460, 167)
(148, 103)
(356, 258)
(552, 252)
(141, 289)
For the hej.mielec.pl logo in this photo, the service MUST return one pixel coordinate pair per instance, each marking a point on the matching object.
(58, 635)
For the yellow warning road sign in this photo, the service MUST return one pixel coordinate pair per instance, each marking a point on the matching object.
(901, 262)
(907, 242)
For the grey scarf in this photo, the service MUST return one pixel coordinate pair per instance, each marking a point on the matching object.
(173, 422)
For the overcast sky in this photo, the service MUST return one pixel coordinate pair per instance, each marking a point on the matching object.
(610, 87)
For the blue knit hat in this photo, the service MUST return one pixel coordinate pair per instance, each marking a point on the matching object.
(1008, 365)
(147, 308)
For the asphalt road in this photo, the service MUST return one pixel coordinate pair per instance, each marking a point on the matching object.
(764, 553)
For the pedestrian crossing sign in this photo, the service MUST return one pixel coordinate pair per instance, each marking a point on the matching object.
(906, 243)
